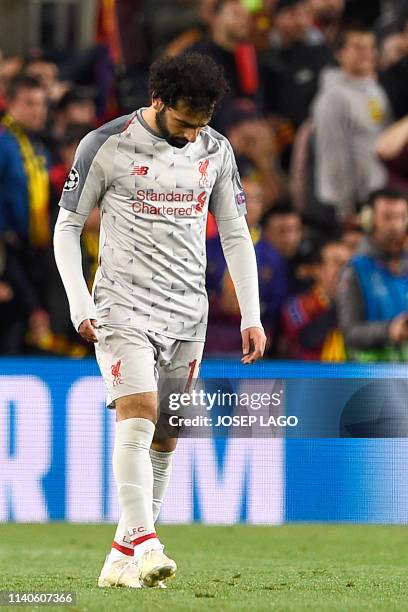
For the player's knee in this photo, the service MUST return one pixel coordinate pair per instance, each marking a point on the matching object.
(138, 405)
(165, 435)
(164, 445)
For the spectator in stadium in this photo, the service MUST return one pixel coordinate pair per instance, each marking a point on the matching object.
(352, 237)
(393, 48)
(166, 20)
(47, 72)
(275, 252)
(350, 112)
(75, 107)
(282, 228)
(372, 296)
(282, 231)
(327, 18)
(23, 163)
(197, 32)
(310, 319)
(254, 145)
(293, 63)
(25, 190)
(392, 148)
(229, 44)
(9, 68)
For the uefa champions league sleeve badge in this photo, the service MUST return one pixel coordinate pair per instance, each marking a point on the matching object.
(72, 181)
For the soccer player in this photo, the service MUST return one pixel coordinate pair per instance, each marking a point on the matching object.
(154, 175)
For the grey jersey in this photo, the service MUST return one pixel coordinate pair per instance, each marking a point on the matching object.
(154, 200)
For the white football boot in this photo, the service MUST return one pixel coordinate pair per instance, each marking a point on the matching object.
(155, 567)
(122, 573)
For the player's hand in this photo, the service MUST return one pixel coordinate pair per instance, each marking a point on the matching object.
(253, 344)
(398, 330)
(87, 330)
(39, 325)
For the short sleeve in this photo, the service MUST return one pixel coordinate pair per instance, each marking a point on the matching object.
(88, 178)
(227, 200)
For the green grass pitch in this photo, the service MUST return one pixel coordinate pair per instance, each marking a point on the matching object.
(245, 568)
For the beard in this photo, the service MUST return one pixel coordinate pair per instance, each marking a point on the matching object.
(393, 246)
(174, 141)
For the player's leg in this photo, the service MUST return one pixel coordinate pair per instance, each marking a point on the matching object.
(127, 363)
(161, 454)
(135, 415)
(134, 479)
(178, 367)
(161, 464)
(132, 466)
(161, 457)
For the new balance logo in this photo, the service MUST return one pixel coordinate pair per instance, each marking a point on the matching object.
(140, 170)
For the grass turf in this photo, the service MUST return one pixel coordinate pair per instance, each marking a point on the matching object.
(245, 568)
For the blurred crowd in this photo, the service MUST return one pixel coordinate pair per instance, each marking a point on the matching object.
(317, 115)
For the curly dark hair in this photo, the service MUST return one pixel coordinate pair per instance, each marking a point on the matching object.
(192, 77)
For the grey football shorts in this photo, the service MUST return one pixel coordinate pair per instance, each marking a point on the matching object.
(134, 361)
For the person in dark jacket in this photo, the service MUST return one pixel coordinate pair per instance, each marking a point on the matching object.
(25, 200)
(229, 45)
(292, 65)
